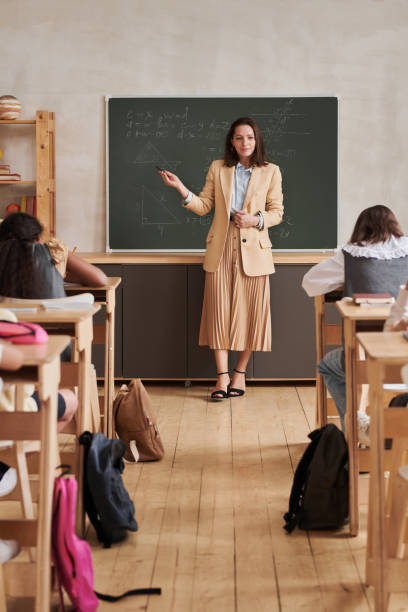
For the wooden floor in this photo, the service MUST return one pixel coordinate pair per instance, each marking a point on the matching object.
(210, 514)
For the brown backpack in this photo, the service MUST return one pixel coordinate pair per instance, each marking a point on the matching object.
(135, 423)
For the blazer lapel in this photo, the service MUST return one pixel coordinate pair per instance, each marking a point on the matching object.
(227, 184)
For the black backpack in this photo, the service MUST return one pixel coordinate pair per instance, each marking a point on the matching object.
(319, 497)
(106, 501)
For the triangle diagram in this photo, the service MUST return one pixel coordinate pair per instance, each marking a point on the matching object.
(149, 154)
(154, 210)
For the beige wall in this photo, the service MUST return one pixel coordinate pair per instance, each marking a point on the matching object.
(66, 56)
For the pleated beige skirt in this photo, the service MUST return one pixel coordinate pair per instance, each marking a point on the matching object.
(236, 311)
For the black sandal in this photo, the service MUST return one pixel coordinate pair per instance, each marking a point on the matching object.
(220, 394)
(237, 392)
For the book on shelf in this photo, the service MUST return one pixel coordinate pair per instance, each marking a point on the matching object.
(4, 169)
(30, 205)
(10, 177)
(23, 204)
(373, 299)
(34, 206)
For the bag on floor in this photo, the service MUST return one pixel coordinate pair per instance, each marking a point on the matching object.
(135, 423)
(399, 401)
(319, 498)
(106, 501)
(71, 555)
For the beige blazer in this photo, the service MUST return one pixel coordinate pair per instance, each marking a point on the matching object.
(264, 194)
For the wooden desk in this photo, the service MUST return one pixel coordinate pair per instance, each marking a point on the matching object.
(386, 353)
(105, 296)
(41, 366)
(79, 325)
(353, 316)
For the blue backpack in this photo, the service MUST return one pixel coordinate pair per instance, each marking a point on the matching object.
(106, 501)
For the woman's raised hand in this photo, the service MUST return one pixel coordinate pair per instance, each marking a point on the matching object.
(172, 180)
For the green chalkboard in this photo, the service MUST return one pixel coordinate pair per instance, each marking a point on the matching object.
(184, 135)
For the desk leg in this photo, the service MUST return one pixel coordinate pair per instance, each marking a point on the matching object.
(106, 375)
(351, 423)
(110, 374)
(83, 424)
(377, 497)
(48, 389)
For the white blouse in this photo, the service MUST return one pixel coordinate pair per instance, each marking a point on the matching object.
(329, 274)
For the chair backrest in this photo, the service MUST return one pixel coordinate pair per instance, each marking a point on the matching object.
(370, 275)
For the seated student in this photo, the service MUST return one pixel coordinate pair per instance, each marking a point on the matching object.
(375, 260)
(32, 269)
(398, 319)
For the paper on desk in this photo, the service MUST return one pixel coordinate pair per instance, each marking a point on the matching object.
(82, 301)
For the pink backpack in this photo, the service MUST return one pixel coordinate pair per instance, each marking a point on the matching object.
(18, 332)
(71, 555)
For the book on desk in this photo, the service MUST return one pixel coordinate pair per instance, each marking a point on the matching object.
(372, 299)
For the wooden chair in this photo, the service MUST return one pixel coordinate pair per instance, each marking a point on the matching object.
(3, 603)
(41, 366)
(396, 508)
(327, 335)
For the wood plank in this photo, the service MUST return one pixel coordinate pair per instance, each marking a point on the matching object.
(340, 583)
(296, 574)
(256, 588)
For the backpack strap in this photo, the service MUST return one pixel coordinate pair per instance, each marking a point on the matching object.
(292, 517)
(112, 598)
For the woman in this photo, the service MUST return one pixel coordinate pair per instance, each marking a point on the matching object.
(246, 193)
(375, 260)
(31, 269)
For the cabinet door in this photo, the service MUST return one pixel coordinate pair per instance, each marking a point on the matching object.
(201, 362)
(293, 328)
(155, 321)
(98, 350)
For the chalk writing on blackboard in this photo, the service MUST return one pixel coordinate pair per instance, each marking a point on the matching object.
(185, 135)
(150, 155)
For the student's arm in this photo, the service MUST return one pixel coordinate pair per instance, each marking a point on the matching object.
(10, 357)
(325, 276)
(398, 319)
(84, 273)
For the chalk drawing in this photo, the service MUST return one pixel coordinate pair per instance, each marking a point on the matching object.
(154, 210)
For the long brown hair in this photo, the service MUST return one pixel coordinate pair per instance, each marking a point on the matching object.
(258, 157)
(375, 224)
(18, 233)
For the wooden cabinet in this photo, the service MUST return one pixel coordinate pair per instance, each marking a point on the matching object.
(157, 318)
(155, 321)
(44, 125)
(293, 352)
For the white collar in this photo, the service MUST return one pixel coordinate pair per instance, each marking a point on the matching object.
(390, 249)
(242, 168)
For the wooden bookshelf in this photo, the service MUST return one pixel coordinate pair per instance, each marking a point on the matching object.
(44, 123)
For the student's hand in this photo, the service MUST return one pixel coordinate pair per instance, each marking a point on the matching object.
(243, 219)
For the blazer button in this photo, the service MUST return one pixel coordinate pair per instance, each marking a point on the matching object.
(244, 240)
